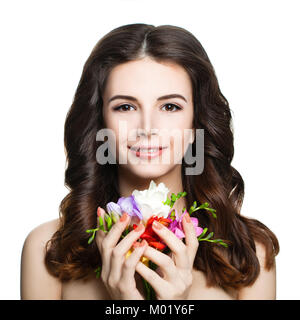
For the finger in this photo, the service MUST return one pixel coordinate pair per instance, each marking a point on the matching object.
(165, 263)
(158, 283)
(106, 242)
(100, 235)
(120, 250)
(123, 246)
(176, 245)
(101, 213)
(191, 240)
(113, 236)
(129, 266)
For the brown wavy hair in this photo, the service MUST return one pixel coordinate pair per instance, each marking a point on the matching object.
(68, 255)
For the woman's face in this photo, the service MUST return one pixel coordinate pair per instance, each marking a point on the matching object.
(146, 118)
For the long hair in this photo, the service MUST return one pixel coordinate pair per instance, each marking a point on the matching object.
(68, 255)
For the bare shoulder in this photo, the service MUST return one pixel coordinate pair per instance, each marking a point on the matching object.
(264, 287)
(260, 253)
(36, 282)
(42, 233)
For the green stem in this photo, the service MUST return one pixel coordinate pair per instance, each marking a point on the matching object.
(147, 289)
(215, 241)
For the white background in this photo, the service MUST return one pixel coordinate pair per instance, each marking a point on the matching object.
(254, 48)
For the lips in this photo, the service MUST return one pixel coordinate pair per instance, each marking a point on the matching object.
(147, 152)
(146, 148)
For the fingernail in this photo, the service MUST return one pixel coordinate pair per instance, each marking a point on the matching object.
(98, 212)
(123, 217)
(139, 227)
(187, 218)
(157, 225)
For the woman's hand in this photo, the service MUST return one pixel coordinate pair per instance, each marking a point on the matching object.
(176, 280)
(117, 272)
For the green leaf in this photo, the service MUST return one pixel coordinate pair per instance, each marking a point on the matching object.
(98, 272)
(167, 202)
(100, 221)
(218, 241)
(209, 236)
(147, 289)
(202, 234)
(102, 228)
(152, 265)
(91, 230)
(212, 211)
(221, 242)
(224, 244)
(173, 197)
(114, 217)
(125, 232)
(108, 221)
(91, 238)
(179, 194)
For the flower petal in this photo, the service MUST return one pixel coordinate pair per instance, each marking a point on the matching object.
(145, 261)
(199, 230)
(179, 234)
(194, 221)
(126, 205)
(147, 237)
(113, 207)
(157, 245)
(129, 252)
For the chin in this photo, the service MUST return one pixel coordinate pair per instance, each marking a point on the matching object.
(147, 171)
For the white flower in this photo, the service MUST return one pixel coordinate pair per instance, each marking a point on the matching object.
(150, 201)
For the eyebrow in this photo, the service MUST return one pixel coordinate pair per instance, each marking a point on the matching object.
(168, 96)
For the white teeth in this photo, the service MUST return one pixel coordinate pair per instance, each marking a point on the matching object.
(145, 150)
(148, 150)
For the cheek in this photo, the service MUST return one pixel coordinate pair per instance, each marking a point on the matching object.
(180, 142)
(118, 127)
(182, 135)
(121, 130)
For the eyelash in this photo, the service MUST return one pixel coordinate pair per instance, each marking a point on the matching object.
(126, 104)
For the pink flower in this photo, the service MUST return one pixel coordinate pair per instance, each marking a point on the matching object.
(176, 225)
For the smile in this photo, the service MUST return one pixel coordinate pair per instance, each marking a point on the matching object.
(147, 153)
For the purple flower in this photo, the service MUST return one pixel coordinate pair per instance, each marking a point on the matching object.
(113, 207)
(129, 205)
(176, 225)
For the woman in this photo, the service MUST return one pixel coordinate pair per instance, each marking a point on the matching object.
(144, 78)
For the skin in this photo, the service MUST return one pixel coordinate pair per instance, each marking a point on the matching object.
(148, 81)
(175, 279)
(121, 277)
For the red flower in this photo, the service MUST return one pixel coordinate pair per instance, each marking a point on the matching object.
(150, 236)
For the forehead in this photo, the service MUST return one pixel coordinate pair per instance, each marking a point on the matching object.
(147, 77)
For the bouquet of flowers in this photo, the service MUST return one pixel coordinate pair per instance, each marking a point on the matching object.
(147, 206)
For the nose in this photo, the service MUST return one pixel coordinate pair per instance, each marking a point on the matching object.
(146, 132)
(146, 124)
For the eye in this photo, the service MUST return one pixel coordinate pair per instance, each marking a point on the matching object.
(122, 107)
(125, 107)
(173, 105)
